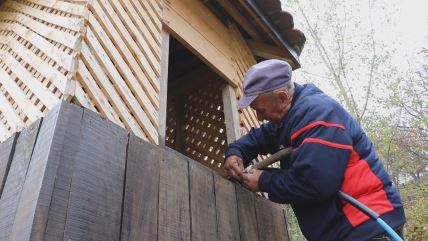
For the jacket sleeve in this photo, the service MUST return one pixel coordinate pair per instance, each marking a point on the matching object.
(258, 141)
(321, 151)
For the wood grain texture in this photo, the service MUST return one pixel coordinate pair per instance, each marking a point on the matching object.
(13, 189)
(7, 149)
(64, 148)
(141, 202)
(227, 209)
(202, 203)
(270, 220)
(95, 202)
(174, 209)
(246, 214)
(32, 215)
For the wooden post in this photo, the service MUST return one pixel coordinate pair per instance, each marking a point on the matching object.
(163, 87)
(231, 116)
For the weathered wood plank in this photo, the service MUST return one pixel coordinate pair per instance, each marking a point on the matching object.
(270, 221)
(33, 206)
(7, 149)
(246, 214)
(141, 202)
(13, 188)
(227, 210)
(65, 146)
(95, 202)
(174, 212)
(202, 203)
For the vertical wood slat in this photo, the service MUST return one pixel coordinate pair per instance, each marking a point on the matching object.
(14, 186)
(94, 209)
(7, 149)
(227, 213)
(246, 214)
(231, 116)
(141, 201)
(75, 182)
(64, 148)
(202, 203)
(36, 195)
(174, 210)
(163, 87)
(270, 221)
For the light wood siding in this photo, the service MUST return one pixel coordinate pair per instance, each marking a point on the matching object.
(39, 43)
(105, 55)
(119, 70)
(244, 60)
(196, 27)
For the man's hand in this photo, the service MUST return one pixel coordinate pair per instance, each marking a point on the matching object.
(251, 180)
(234, 167)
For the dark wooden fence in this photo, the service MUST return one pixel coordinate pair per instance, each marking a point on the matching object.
(76, 176)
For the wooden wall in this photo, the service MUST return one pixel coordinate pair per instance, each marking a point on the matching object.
(39, 43)
(119, 69)
(76, 176)
(105, 55)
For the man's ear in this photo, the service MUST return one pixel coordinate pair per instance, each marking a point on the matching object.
(284, 96)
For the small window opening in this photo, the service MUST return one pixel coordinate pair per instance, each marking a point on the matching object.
(195, 118)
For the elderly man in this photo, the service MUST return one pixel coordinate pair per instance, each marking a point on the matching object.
(331, 152)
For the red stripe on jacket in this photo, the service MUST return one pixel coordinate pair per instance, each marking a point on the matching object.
(313, 124)
(360, 182)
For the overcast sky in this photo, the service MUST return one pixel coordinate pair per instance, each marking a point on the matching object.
(408, 28)
(407, 31)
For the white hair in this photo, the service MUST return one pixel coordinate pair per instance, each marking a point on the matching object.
(288, 87)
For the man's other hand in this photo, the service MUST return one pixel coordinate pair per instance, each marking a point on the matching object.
(234, 167)
(251, 180)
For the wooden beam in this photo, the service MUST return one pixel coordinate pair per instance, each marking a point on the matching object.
(193, 25)
(163, 95)
(231, 115)
(241, 20)
(268, 51)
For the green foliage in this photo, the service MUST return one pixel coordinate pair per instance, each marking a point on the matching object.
(415, 197)
(293, 225)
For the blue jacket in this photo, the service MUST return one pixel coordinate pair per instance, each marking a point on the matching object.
(331, 152)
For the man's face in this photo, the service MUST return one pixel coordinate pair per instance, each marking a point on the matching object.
(271, 106)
